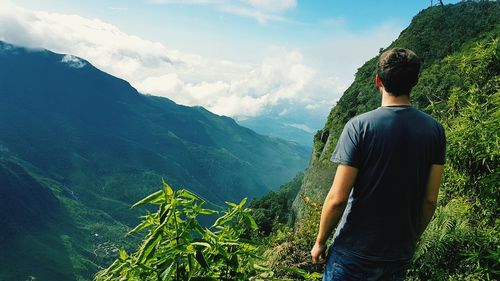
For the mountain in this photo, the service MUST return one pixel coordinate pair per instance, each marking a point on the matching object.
(87, 145)
(288, 122)
(274, 127)
(29, 211)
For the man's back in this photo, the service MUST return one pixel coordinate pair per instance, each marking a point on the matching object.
(385, 189)
(393, 147)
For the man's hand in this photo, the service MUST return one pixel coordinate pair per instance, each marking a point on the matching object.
(318, 253)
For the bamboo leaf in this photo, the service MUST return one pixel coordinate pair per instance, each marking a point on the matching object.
(203, 244)
(167, 274)
(243, 202)
(188, 194)
(152, 198)
(123, 254)
(168, 190)
(140, 227)
(149, 246)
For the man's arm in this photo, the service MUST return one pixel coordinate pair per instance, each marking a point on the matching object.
(334, 206)
(430, 198)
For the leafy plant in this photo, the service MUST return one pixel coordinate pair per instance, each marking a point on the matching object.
(178, 247)
(288, 252)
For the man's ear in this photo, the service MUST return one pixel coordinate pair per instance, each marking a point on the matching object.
(378, 82)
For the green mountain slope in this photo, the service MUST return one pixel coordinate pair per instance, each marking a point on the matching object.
(94, 145)
(46, 232)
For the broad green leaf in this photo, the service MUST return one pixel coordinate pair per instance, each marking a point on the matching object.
(226, 218)
(123, 254)
(149, 246)
(250, 222)
(168, 190)
(144, 224)
(188, 194)
(149, 199)
(243, 202)
(167, 274)
(203, 244)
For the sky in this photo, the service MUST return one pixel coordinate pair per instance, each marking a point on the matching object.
(240, 58)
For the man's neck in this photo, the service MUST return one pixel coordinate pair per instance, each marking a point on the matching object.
(388, 100)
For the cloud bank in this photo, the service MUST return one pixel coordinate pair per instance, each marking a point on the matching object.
(224, 87)
(239, 90)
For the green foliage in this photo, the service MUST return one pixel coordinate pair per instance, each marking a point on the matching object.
(273, 209)
(178, 247)
(289, 249)
(471, 115)
(454, 247)
(462, 240)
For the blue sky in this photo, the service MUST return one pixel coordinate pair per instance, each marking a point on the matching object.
(178, 24)
(241, 58)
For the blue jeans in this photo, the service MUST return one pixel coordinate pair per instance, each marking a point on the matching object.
(341, 267)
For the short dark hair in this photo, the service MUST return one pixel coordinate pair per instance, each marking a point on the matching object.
(398, 70)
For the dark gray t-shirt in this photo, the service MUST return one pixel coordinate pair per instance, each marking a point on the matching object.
(393, 148)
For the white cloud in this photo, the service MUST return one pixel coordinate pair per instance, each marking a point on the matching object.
(302, 127)
(311, 106)
(261, 10)
(273, 5)
(258, 15)
(278, 78)
(342, 52)
(73, 61)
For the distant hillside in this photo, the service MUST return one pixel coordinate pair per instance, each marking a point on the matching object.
(95, 145)
(275, 127)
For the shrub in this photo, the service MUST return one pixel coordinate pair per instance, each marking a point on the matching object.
(178, 247)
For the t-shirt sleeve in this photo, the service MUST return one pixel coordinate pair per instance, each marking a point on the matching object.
(347, 151)
(440, 155)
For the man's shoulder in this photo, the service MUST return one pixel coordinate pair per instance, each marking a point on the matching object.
(381, 113)
(365, 117)
(368, 115)
(431, 120)
(381, 117)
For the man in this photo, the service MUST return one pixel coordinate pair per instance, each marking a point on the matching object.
(386, 184)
